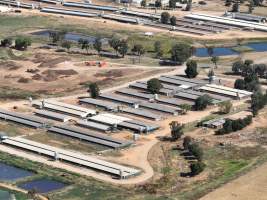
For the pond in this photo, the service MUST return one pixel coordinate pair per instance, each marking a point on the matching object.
(4, 195)
(10, 173)
(42, 185)
(226, 51)
(74, 37)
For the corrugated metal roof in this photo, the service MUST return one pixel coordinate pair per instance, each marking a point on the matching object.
(77, 158)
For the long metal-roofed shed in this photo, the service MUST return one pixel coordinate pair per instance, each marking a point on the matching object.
(68, 12)
(53, 115)
(214, 123)
(118, 98)
(89, 136)
(72, 157)
(100, 103)
(173, 80)
(189, 80)
(175, 101)
(109, 119)
(65, 108)
(226, 91)
(229, 21)
(143, 86)
(142, 113)
(24, 119)
(140, 14)
(90, 6)
(94, 125)
(161, 108)
(135, 93)
(247, 17)
(123, 122)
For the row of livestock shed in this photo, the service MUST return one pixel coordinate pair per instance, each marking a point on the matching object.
(27, 120)
(120, 108)
(90, 6)
(89, 136)
(72, 157)
(68, 12)
(247, 17)
(229, 21)
(17, 4)
(65, 108)
(121, 122)
(225, 91)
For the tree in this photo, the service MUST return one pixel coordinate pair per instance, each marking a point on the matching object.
(139, 50)
(98, 45)
(260, 69)
(191, 69)
(235, 7)
(165, 17)
(228, 3)
(251, 6)
(181, 52)
(7, 42)
(196, 151)
(57, 36)
(94, 90)
(123, 48)
(172, 3)
(215, 60)
(143, 3)
(202, 102)
(185, 108)
(237, 67)
(158, 4)
(187, 142)
(188, 5)
(225, 107)
(22, 43)
(197, 168)
(258, 101)
(173, 21)
(158, 49)
(114, 42)
(154, 86)
(240, 84)
(176, 130)
(66, 44)
(84, 44)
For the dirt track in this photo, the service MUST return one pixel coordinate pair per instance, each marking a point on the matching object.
(250, 186)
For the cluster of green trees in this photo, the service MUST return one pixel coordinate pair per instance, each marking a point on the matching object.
(21, 43)
(195, 150)
(202, 102)
(180, 52)
(258, 101)
(154, 85)
(120, 46)
(247, 67)
(236, 4)
(251, 73)
(167, 19)
(234, 125)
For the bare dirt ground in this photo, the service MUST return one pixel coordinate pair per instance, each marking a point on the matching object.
(48, 72)
(247, 187)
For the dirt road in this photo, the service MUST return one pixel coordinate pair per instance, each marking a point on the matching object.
(253, 185)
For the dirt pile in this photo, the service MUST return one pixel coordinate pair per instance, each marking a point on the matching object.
(9, 65)
(52, 75)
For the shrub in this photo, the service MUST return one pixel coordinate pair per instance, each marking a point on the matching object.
(197, 168)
